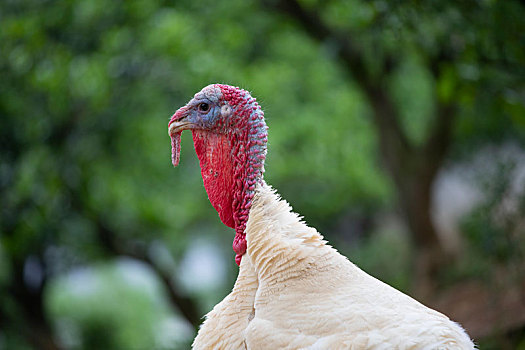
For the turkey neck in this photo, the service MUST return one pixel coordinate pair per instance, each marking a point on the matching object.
(232, 164)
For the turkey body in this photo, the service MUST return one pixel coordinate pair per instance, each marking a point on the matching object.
(294, 291)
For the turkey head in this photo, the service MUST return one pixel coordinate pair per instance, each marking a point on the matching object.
(230, 137)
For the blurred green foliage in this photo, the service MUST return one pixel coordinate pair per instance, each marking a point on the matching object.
(109, 307)
(85, 173)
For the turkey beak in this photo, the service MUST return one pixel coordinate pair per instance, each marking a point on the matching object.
(179, 121)
(176, 126)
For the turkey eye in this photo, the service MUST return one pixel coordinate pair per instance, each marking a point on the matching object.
(204, 107)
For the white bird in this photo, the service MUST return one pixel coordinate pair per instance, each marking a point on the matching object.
(293, 291)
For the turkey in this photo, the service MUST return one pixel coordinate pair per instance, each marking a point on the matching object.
(293, 291)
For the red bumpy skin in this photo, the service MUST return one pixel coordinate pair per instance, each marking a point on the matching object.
(231, 153)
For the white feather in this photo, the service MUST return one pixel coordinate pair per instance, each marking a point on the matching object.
(294, 291)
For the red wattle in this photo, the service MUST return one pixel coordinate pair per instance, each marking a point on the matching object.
(239, 243)
(238, 258)
(215, 157)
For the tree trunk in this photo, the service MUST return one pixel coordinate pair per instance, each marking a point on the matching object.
(413, 171)
(415, 195)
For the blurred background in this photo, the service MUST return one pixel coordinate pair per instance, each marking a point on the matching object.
(397, 128)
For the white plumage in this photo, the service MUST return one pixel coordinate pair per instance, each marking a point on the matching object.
(294, 291)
